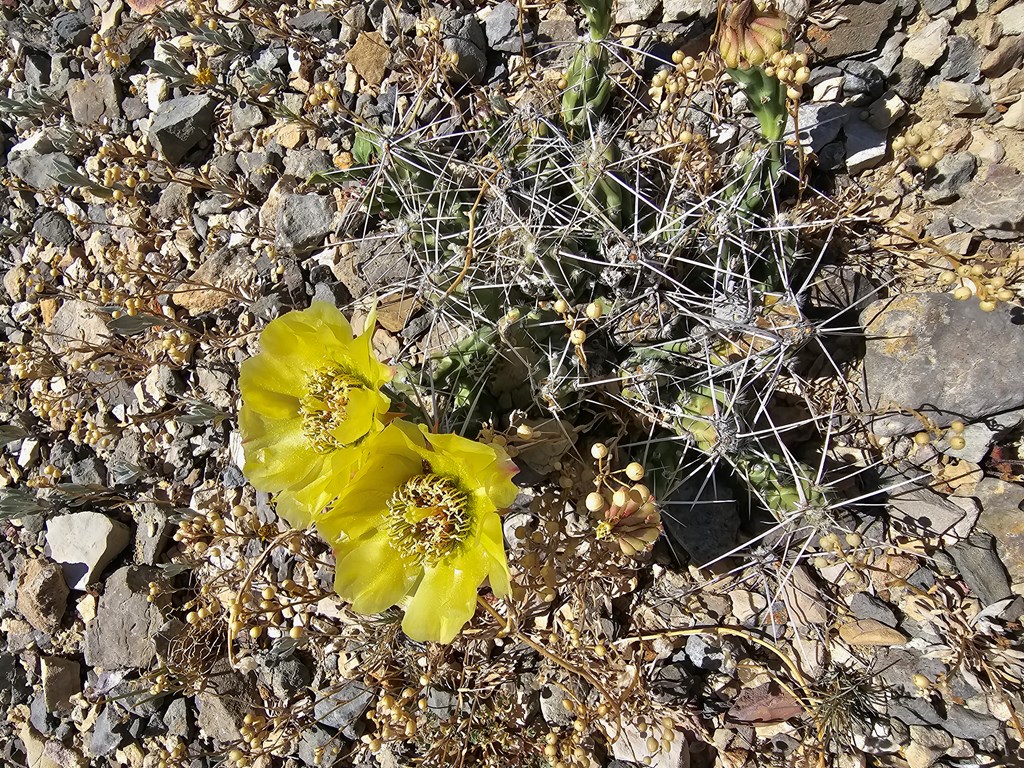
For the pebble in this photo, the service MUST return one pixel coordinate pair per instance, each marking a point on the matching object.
(180, 125)
(929, 44)
(42, 594)
(84, 543)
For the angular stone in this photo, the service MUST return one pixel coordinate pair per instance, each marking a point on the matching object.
(865, 146)
(928, 45)
(868, 632)
(1014, 116)
(463, 36)
(179, 125)
(867, 22)
(680, 10)
(42, 595)
(963, 60)
(1012, 19)
(993, 204)
(1007, 88)
(370, 56)
(1002, 515)
(54, 228)
(945, 358)
(120, 637)
(908, 80)
(981, 568)
(866, 606)
(225, 270)
(224, 705)
(76, 331)
(343, 706)
(94, 99)
(964, 98)
(84, 543)
(949, 176)
(635, 11)
(37, 162)
(502, 29)
(1007, 55)
(303, 221)
(62, 679)
(886, 110)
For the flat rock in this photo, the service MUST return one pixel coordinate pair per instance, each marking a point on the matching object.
(303, 221)
(94, 99)
(964, 98)
(981, 568)
(343, 707)
(370, 57)
(680, 10)
(84, 543)
(211, 286)
(635, 11)
(62, 679)
(963, 59)
(868, 632)
(949, 176)
(42, 595)
(867, 22)
(865, 146)
(76, 330)
(502, 29)
(1007, 55)
(1014, 116)
(1002, 515)
(867, 606)
(180, 125)
(224, 705)
(945, 358)
(993, 204)
(37, 162)
(820, 123)
(1012, 19)
(120, 637)
(908, 80)
(928, 45)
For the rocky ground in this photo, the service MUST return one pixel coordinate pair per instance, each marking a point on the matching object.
(157, 211)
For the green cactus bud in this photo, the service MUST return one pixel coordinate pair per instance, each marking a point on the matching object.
(599, 17)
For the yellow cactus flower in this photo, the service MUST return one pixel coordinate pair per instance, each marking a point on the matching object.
(310, 398)
(418, 526)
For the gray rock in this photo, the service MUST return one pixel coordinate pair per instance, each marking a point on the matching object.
(551, 707)
(680, 10)
(867, 606)
(862, 82)
(963, 59)
(1001, 509)
(54, 228)
(964, 98)
(245, 116)
(84, 543)
(288, 677)
(303, 221)
(908, 80)
(62, 679)
(76, 331)
(945, 358)
(865, 146)
(319, 24)
(179, 125)
(303, 163)
(700, 524)
(820, 123)
(36, 161)
(1012, 19)
(318, 747)
(502, 28)
(224, 705)
(463, 35)
(94, 100)
(867, 22)
(949, 176)
(928, 45)
(134, 109)
(993, 204)
(344, 707)
(634, 11)
(891, 53)
(177, 718)
(175, 202)
(89, 471)
(441, 703)
(704, 654)
(14, 685)
(107, 734)
(886, 110)
(152, 532)
(120, 637)
(935, 7)
(37, 70)
(68, 31)
(42, 594)
(981, 568)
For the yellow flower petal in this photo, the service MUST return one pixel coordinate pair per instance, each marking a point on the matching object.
(445, 600)
(371, 576)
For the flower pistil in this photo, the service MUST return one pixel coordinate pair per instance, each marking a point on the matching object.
(428, 518)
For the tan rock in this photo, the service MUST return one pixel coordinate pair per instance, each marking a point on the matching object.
(868, 632)
(370, 56)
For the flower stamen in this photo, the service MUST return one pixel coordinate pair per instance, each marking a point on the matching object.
(428, 518)
(325, 406)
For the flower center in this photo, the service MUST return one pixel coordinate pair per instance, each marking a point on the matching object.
(428, 518)
(325, 406)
